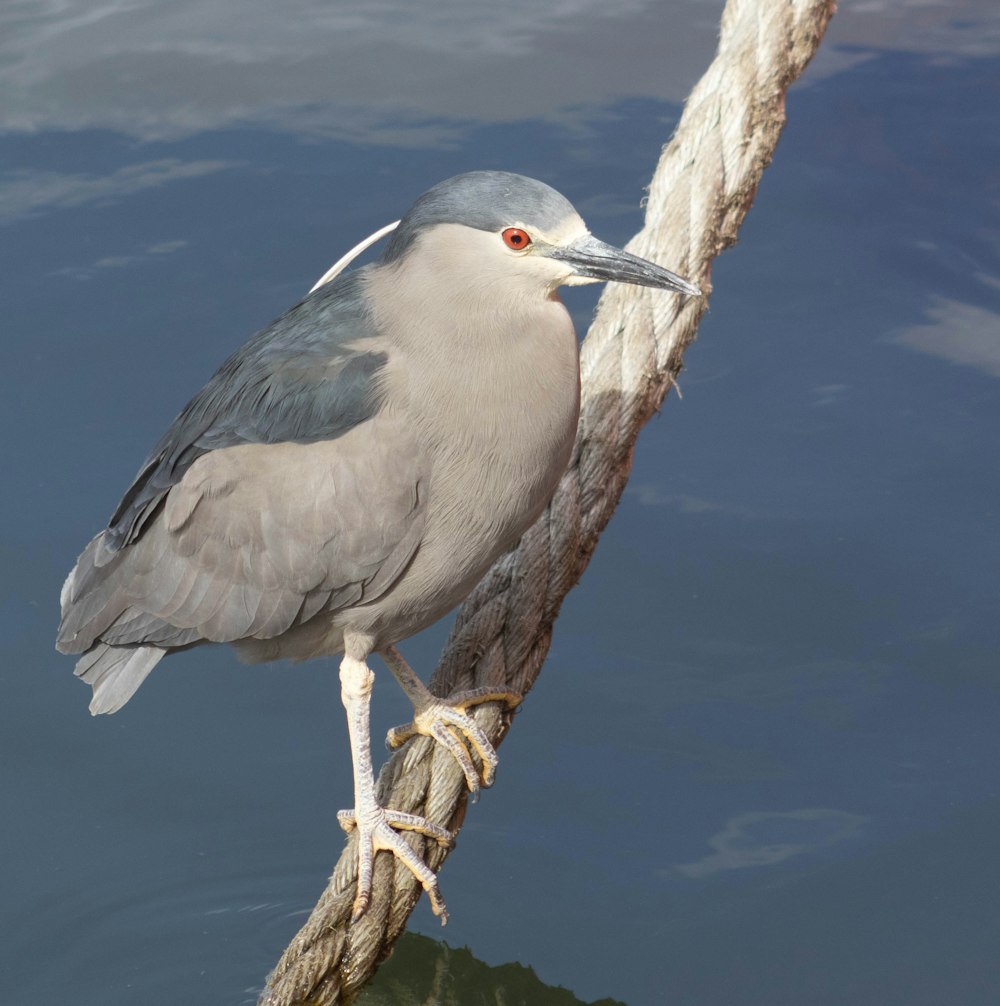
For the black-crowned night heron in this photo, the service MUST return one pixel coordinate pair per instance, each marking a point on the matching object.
(349, 474)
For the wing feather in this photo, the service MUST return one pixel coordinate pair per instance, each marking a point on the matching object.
(309, 376)
(280, 492)
(253, 557)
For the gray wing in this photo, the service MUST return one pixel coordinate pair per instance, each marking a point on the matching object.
(277, 493)
(255, 539)
(309, 376)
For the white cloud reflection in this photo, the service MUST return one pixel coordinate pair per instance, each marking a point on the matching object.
(650, 494)
(23, 193)
(762, 838)
(121, 261)
(960, 333)
(170, 68)
(158, 69)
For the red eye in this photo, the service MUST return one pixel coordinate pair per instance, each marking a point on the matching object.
(515, 238)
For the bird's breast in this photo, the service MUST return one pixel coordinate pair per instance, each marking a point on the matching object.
(506, 438)
(497, 421)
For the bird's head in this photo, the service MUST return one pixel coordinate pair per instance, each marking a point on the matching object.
(492, 228)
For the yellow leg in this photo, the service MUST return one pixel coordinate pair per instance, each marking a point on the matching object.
(447, 720)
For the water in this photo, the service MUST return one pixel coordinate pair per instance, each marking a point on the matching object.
(761, 765)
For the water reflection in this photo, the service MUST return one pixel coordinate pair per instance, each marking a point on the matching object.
(762, 838)
(967, 334)
(395, 72)
(27, 193)
(426, 972)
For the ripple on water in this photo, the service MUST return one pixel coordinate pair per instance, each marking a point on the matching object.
(166, 940)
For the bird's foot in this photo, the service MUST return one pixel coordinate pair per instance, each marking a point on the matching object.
(379, 829)
(448, 722)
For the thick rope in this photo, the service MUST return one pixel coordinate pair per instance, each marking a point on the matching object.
(700, 193)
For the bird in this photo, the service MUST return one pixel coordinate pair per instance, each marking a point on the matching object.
(349, 474)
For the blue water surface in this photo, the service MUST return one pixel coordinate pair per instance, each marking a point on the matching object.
(762, 764)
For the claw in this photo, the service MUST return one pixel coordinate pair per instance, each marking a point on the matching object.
(381, 831)
(448, 722)
(377, 827)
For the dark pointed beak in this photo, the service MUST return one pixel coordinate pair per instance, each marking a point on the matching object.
(596, 260)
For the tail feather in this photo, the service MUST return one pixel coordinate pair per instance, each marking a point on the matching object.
(90, 600)
(115, 672)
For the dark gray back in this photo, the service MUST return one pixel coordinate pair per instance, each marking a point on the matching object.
(295, 381)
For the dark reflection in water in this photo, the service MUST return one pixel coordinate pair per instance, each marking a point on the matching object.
(763, 762)
(425, 971)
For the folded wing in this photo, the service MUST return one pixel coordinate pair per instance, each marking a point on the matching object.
(278, 494)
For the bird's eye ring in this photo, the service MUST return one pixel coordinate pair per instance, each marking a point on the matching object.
(514, 237)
